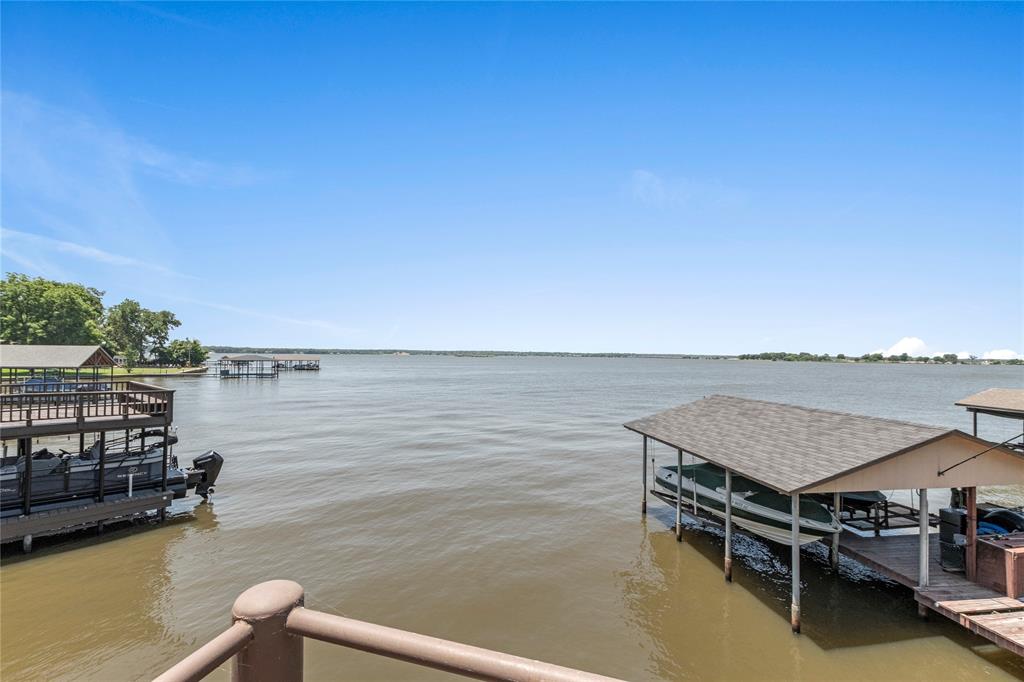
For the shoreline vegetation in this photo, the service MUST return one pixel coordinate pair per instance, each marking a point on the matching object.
(40, 311)
(948, 359)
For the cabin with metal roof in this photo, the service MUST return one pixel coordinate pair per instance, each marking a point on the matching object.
(795, 450)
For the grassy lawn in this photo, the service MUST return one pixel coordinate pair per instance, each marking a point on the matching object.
(118, 372)
(122, 371)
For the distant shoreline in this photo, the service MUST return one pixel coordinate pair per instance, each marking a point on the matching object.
(777, 357)
(460, 353)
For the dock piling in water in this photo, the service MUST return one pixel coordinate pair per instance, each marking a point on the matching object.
(643, 462)
(679, 496)
(728, 526)
(833, 552)
(794, 609)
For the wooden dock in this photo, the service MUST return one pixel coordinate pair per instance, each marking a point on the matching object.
(980, 609)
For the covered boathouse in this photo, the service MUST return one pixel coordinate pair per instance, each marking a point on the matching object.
(797, 451)
(247, 366)
(61, 363)
(49, 392)
(297, 361)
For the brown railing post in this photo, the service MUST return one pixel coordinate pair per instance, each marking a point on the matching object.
(275, 654)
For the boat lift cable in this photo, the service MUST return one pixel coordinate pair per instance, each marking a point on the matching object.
(942, 472)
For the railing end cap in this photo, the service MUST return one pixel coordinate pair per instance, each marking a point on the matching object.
(267, 600)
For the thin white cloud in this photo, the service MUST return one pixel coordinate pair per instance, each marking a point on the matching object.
(325, 325)
(29, 265)
(651, 189)
(78, 177)
(10, 239)
(170, 16)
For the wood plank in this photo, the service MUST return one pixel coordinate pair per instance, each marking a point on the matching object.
(984, 605)
(1005, 630)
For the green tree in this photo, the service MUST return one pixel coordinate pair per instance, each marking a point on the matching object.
(158, 325)
(138, 333)
(125, 331)
(186, 352)
(34, 310)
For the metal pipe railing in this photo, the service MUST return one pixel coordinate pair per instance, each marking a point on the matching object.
(270, 623)
(211, 655)
(452, 657)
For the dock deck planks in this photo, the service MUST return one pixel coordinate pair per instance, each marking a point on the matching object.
(980, 609)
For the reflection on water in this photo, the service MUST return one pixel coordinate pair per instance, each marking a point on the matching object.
(857, 624)
(488, 500)
(96, 599)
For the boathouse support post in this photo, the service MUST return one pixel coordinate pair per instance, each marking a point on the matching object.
(693, 465)
(971, 541)
(794, 609)
(679, 495)
(922, 552)
(163, 468)
(103, 463)
(25, 449)
(643, 508)
(833, 554)
(728, 526)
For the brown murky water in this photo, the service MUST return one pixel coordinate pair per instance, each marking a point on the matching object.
(493, 501)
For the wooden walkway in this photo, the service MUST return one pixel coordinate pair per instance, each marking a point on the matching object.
(981, 610)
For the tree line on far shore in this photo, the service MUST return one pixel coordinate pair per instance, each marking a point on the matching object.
(945, 359)
(35, 310)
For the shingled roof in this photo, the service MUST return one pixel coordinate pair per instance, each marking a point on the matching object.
(53, 357)
(786, 447)
(1008, 402)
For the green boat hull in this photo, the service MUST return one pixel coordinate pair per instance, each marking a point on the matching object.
(755, 507)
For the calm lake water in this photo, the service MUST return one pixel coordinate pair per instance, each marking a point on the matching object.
(494, 501)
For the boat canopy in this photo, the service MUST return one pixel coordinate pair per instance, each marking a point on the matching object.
(795, 449)
(13, 356)
(1001, 402)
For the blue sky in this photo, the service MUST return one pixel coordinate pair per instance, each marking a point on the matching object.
(648, 178)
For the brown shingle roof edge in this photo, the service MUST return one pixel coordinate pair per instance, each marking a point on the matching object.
(15, 356)
(786, 447)
(1006, 401)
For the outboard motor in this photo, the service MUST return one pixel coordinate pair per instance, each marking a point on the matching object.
(209, 463)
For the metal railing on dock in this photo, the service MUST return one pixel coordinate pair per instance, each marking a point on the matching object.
(270, 622)
(28, 403)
